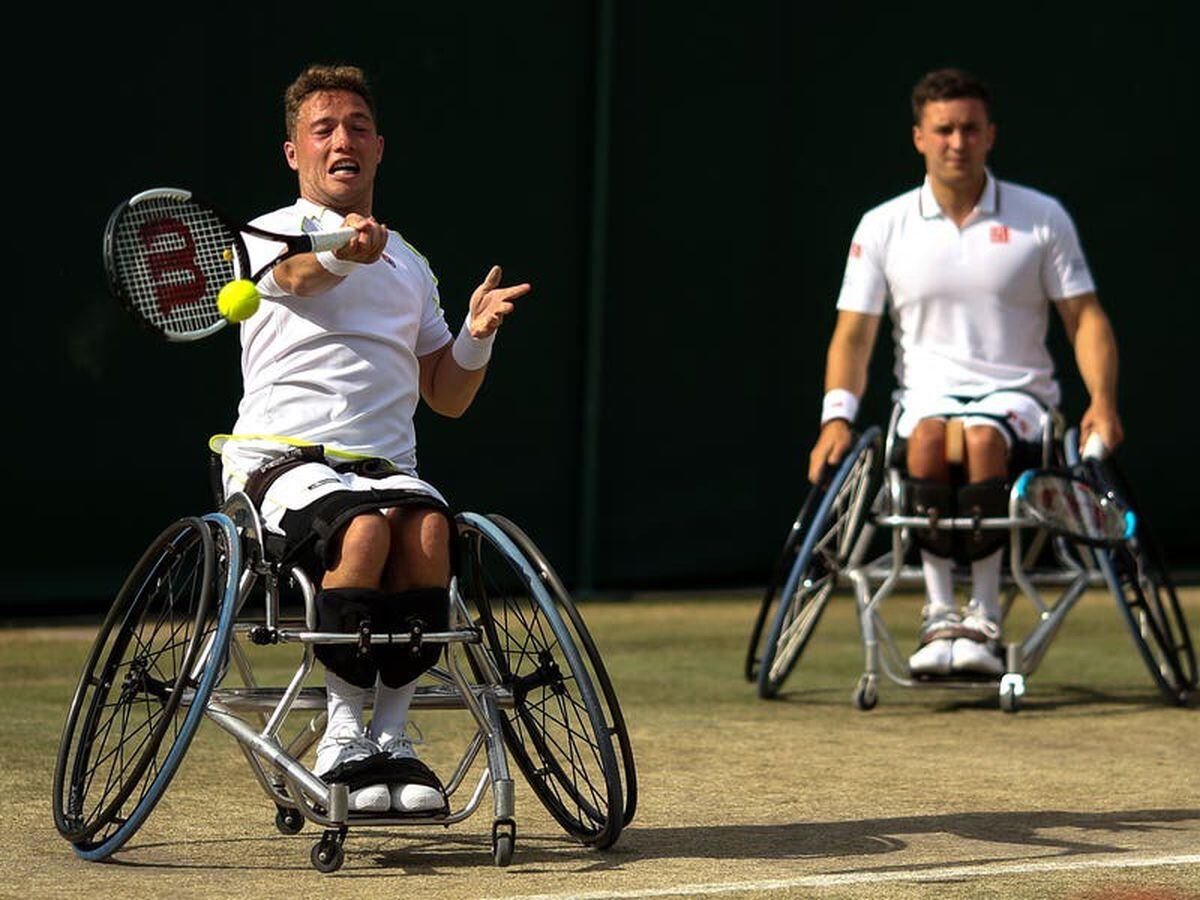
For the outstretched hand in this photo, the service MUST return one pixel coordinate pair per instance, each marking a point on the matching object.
(491, 303)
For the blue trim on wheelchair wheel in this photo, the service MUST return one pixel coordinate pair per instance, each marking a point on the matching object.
(195, 712)
(1022, 485)
(768, 686)
(1130, 524)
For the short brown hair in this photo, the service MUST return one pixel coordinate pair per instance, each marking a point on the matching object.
(948, 84)
(324, 78)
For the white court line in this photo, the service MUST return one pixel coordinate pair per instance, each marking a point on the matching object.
(836, 880)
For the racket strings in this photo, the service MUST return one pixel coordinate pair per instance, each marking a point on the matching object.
(172, 257)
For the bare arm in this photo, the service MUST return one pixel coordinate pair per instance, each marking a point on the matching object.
(304, 276)
(845, 367)
(447, 386)
(1091, 334)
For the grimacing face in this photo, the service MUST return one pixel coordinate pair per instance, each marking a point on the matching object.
(955, 137)
(336, 151)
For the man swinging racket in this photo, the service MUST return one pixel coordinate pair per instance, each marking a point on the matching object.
(333, 365)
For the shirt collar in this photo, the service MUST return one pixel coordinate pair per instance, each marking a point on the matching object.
(987, 205)
(326, 219)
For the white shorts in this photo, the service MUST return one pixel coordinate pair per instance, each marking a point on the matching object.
(1024, 414)
(301, 486)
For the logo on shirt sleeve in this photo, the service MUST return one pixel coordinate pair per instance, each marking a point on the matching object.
(999, 234)
(855, 250)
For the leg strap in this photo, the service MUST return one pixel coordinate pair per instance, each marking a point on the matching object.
(984, 500)
(360, 610)
(934, 499)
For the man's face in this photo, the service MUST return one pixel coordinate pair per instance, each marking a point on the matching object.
(955, 138)
(336, 151)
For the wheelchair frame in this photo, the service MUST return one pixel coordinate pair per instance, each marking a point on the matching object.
(817, 564)
(497, 699)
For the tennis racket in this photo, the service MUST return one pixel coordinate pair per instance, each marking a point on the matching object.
(167, 256)
(1077, 507)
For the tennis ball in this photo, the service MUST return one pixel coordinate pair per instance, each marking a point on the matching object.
(238, 300)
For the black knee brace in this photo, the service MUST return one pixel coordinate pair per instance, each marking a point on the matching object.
(983, 500)
(936, 500)
(349, 609)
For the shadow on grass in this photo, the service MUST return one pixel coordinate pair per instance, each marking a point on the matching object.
(372, 853)
(1080, 700)
(867, 837)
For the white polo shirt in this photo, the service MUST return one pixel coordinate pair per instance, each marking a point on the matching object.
(969, 306)
(340, 368)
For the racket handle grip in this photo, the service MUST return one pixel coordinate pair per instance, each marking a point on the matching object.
(1094, 448)
(331, 240)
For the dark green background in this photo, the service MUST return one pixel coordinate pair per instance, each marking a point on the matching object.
(746, 139)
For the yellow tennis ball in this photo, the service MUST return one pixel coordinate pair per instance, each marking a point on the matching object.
(238, 300)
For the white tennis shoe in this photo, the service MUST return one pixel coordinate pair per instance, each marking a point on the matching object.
(979, 651)
(935, 651)
(339, 754)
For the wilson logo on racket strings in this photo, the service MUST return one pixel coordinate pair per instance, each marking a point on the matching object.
(172, 260)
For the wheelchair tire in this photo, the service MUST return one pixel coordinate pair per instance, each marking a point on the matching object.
(591, 657)
(838, 514)
(164, 642)
(783, 566)
(556, 729)
(1145, 593)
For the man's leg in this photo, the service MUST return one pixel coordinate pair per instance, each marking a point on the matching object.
(418, 565)
(986, 496)
(930, 484)
(360, 555)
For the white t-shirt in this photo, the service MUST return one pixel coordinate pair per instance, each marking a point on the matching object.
(969, 306)
(340, 368)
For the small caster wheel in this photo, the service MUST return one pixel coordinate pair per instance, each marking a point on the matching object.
(866, 695)
(1012, 689)
(327, 854)
(287, 820)
(504, 839)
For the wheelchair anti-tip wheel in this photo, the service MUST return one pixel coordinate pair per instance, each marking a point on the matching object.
(1145, 592)
(557, 730)
(828, 537)
(143, 689)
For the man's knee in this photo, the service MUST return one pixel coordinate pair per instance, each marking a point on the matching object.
(363, 545)
(987, 452)
(420, 555)
(927, 449)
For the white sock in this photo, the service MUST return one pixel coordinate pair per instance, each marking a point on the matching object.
(346, 702)
(391, 710)
(985, 577)
(939, 584)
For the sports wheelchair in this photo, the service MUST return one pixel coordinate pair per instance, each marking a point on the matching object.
(518, 658)
(1072, 525)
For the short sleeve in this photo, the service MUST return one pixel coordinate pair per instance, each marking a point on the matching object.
(434, 332)
(1065, 271)
(864, 285)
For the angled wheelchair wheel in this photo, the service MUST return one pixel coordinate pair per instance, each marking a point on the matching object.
(1137, 574)
(838, 513)
(561, 732)
(783, 567)
(143, 689)
(590, 656)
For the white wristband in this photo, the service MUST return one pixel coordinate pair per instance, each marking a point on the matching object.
(839, 404)
(335, 266)
(469, 352)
